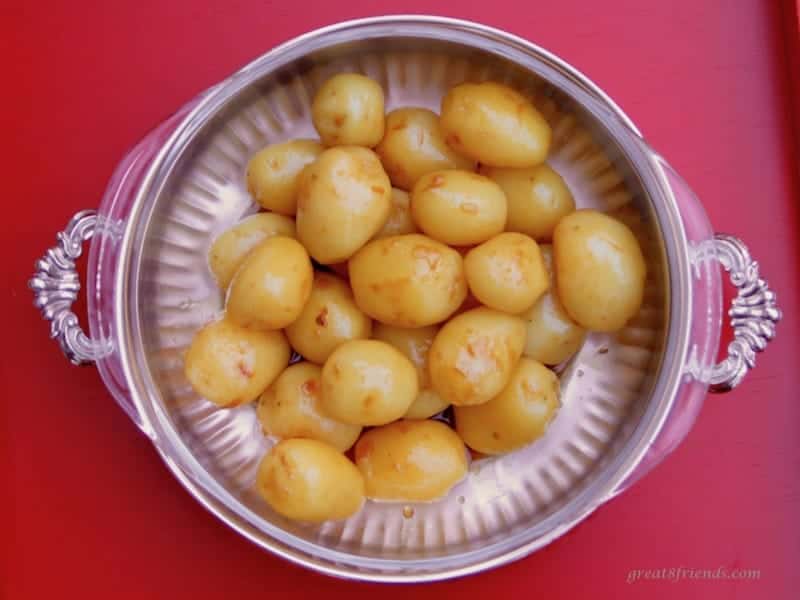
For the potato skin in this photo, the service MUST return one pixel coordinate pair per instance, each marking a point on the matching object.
(410, 460)
(230, 365)
(368, 382)
(506, 272)
(271, 287)
(399, 221)
(474, 354)
(413, 146)
(458, 208)
(537, 199)
(600, 270)
(272, 174)
(495, 125)
(348, 110)
(343, 200)
(329, 318)
(308, 480)
(408, 280)
(291, 408)
(517, 416)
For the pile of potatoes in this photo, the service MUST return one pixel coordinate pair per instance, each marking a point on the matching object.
(406, 257)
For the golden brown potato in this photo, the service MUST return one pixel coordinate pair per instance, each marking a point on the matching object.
(291, 408)
(231, 248)
(272, 174)
(399, 221)
(343, 199)
(516, 416)
(308, 480)
(413, 146)
(348, 109)
(415, 344)
(474, 354)
(368, 382)
(458, 208)
(494, 125)
(537, 199)
(408, 280)
(600, 270)
(411, 460)
(507, 272)
(271, 287)
(329, 318)
(230, 365)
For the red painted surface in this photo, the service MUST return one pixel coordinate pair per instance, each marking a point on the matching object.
(92, 512)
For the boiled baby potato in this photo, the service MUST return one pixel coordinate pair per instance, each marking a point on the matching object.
(271, 287)
(458, 208)
(272, 174)
(553, 336)
(309, 480)
(411, 460)
(368, 382)
(231, 248)
(408, 280)
(348, 109)
(516, 416)
(507, 272)
(343, 199)
(291, 408)
(473, 355)
(600, 270)
(415, 344)
(230, 365)
(413, 146)
(329, 318)
(494, 125)
(399, 221)
(537, 199)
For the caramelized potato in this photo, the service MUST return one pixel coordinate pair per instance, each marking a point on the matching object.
(474, 354)
(494, 125)
(348, 109)
(230, 365)
(410, 460)
(272, 174)
(329, 318)
(413, 146)
(308, 480)
(399, 221)
(516, 416)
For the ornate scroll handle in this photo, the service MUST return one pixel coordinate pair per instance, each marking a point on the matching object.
(55, 286)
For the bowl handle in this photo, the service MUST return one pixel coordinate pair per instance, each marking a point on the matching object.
(753, 312)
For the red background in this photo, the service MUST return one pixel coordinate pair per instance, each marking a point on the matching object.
(93, 512)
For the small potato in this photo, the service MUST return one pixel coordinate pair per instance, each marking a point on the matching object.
(400, 221)
(231, 248)
(537, 199)
(329, 318)
(367, 382)
(272, 174)
(413, 146)
(348, 109)
(600, 270)
(343, 199)
(553, 336)
(516, 416)
(230, 365)
(411, 460)
(271, 287)
(291, 408)
(408, 280)
(494, 125)
(506, 273)
(474, 354)
(415, 344)
(308, 480)
(458, 208)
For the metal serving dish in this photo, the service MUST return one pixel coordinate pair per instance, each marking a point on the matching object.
(628, 399)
